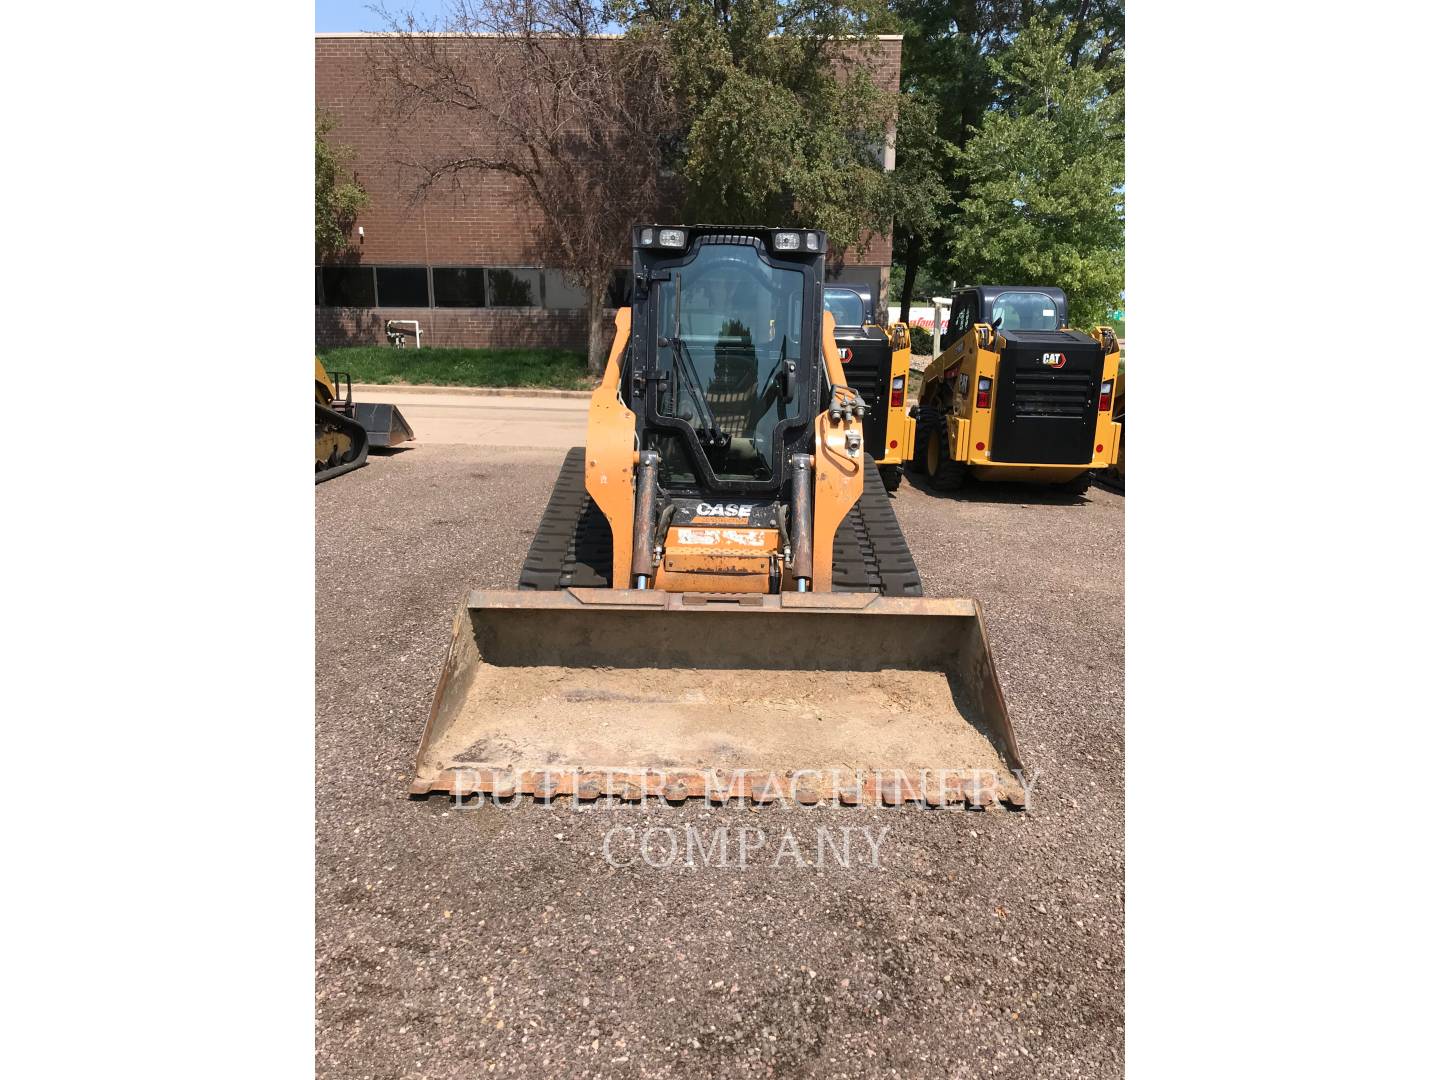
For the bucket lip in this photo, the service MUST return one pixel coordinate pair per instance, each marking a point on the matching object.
(751, 603)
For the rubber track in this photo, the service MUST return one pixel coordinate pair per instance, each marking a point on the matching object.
(572, 544)
(870, 553)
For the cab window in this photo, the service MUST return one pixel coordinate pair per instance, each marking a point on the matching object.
(1026, 311)
(961, 316)
(726, 322)
(846, 306)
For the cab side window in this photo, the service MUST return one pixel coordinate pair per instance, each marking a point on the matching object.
(961, 316)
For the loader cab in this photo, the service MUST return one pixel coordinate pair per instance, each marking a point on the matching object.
(724, 373)
(1029, 308)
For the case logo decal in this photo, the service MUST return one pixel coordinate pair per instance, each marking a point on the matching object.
(729, 510)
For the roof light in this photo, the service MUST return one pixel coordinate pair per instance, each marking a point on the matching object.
(812, 242)
(787, 241)
(672, 238)
(647, 236)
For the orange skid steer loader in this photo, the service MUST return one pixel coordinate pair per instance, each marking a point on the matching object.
(718, 602)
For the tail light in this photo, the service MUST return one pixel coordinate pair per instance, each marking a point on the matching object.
(1105, 389)
(982, 393)
(897, 392)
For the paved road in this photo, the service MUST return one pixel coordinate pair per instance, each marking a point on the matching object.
(485, 420)
(453, 942)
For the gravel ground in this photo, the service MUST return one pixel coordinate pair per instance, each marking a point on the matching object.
(455, 942)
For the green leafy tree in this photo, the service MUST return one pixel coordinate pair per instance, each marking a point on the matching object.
(1044, 174)
(945, 60)
(923, 160)
(771, 131)
(949, 52)
(338, 201)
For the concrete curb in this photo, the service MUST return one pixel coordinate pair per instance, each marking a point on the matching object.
(477, 391)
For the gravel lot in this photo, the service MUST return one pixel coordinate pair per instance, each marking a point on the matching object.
(456, 942)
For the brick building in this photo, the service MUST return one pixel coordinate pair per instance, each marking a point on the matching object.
(462, 262)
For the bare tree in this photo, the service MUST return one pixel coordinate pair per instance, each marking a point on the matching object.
(534, 90)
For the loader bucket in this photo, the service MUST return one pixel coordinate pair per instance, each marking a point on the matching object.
(844, 698)
(384, 425)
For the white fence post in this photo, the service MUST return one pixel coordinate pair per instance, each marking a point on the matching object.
(940, 303)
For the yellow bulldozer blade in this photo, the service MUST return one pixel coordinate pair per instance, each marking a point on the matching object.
(845, 698)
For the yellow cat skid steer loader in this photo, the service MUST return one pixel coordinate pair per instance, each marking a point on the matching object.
(718, 602)
(1016, 394)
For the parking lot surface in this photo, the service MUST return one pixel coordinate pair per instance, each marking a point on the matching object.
(465, 417)
(499, 941)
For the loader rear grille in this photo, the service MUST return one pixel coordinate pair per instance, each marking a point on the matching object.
(1046, 394)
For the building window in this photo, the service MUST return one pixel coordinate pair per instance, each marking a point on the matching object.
(513, 288)
(348, 286)
(459, 286)
(560, 295)
(402, 286)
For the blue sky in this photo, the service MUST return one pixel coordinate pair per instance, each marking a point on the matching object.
(338, 16)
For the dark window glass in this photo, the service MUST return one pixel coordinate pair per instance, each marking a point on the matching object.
(514, 288)
(1026, 311)
(621, 291)
(560, 295)
(459, 286)
(402, 286)
(962, 314)
(846, 306)
(348, 286)
(725, 323)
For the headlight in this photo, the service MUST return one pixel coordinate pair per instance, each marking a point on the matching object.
(812, 242)
(672, 238)
(787, 241)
